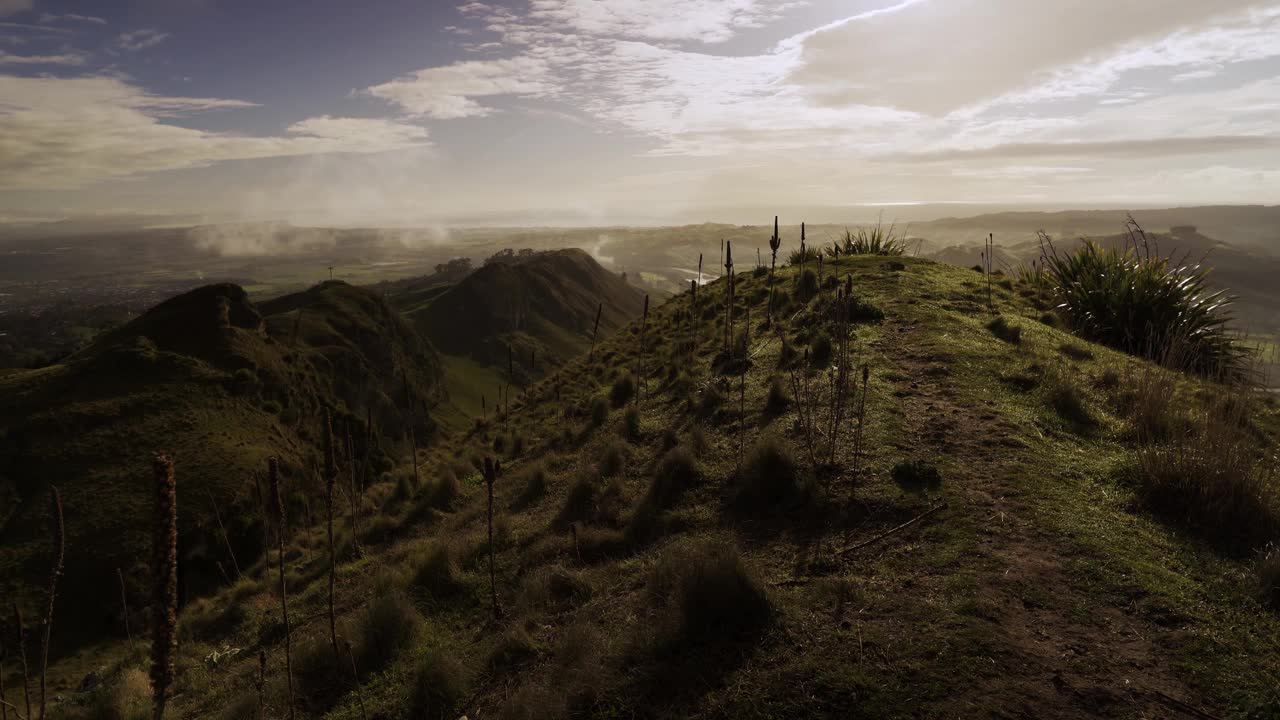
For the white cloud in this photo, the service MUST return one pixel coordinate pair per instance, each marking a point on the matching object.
(450, 91)
(9, 7)
(46, 18)
(140, 39)
(71, 132)
(63, 59)
(708, 21)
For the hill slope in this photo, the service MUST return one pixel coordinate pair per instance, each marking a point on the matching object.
(220, 385)
(541, 309)
(691, 557)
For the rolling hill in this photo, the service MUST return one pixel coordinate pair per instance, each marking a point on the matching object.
(681, 532)
(220, 385)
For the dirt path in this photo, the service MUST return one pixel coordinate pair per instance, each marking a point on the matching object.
(1060, 654)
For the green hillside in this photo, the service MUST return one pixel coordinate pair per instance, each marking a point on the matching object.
(514, 320)
(685, 529)
(220, 385)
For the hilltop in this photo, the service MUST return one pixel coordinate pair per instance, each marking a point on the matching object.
(672, 538)
(517, 317)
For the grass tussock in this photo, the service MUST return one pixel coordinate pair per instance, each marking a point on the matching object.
(1268, 572)
(770, 478)
(599, 411)
(676, 472)
(127, 696)
(631, 424)
(435, 570)
(624, 388)
(710, 594)
(917, 477)
(1212, 479)
(777, 400)
(1066, 397)
(1006, 331)
(535, 487)
(438, 686)
(513, 648)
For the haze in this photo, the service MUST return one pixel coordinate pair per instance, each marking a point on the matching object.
(609, 111)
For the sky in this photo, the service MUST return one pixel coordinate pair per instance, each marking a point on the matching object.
(420, 112)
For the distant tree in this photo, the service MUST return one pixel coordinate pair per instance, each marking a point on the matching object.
(456, 266)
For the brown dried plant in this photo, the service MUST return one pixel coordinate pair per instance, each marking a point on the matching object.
(164, 569)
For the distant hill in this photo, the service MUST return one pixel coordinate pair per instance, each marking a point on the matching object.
(218, 383)
(539, 307)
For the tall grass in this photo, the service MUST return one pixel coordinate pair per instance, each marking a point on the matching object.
(1144, 304)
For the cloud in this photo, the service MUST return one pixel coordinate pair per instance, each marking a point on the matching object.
(1131, 148)
(46, 18)
(59, 133)
(708, 21)
(64, 59)
(140, 39)
(450, 91)
(10, 7)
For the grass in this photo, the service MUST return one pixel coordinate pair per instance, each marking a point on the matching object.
(771, 478)
(715, 612)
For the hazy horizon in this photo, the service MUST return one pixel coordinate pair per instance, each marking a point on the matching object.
(620, 112)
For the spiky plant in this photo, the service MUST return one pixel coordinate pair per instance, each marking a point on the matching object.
(58, 537)
(1146, 305)
(595, 328)
(164, 569)
(872, 240)
(330, 477)
(21, 629)
(124, 607)
(491, 470)
(775, 242)
(413, 436)
(277, 509)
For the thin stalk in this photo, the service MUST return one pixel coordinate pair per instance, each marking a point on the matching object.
(59, 531)
(273, 482)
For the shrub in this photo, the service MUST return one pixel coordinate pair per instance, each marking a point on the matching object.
(631, 424)
(676, 472)
(1065, 397)
(321, 679)
(553, 587)
(445, 490)
(515, 647)
(612, 459)
(1146, 305)
(712, 400)
(389, 626)
(917, 476)
(436, 570)
(806, 286)
(579, 503)
(599, 411)
(872, 240)
(777, 401)
(669, 438)
(1076, 352)
(1269, 576)
(535, 486)
(1002, 329)
(770, 476)
(624, 388)
(820, 350)
(711, 594)
(1211, 479)
(127, 697)
(438, 686)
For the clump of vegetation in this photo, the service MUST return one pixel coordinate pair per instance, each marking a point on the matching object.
(515, 647)
(535, 486)
(1066, 398)
(389, 626)
(1003, 329)
(820, 350)
(873, 240)
(599, 411)
(777, 401)
(612, 459)
(125, 697)
(917, 477)
(1211, 479)
(624, 388)
(435, 570)
(1269, 576)
(439, 684)
(1145, 305)
(770, 477)
(711, 595)
(807, 285)
(712, 400)
(631, 424)
(676, 472)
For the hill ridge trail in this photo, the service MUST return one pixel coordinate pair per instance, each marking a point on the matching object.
(1053, 665)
